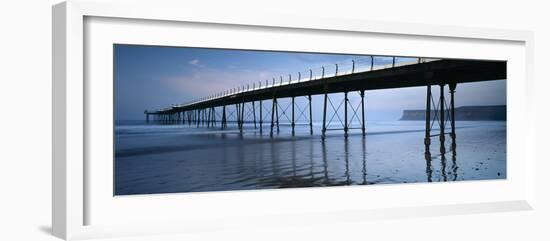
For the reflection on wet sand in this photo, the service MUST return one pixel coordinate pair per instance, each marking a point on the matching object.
(346, 157)
(291, 169)
(325, 163)
(364, 160)
(300, 172)
(454, 167)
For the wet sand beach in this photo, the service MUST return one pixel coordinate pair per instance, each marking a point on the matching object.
(178, 158)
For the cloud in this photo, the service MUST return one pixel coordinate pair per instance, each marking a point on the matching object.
(204, 81)
(195, 62)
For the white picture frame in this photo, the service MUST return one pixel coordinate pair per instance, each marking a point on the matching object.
(73, 187)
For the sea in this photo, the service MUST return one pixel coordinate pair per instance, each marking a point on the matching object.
(153, 158)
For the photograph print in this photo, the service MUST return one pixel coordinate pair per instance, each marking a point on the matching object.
(190, 119)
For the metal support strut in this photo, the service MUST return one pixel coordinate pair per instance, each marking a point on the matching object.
(346, 114)
(261, 117)
(273, 106)
(452, 89)
(363, 112)
(427, 140)
(293, 123)
(310, 116)
(442, 119)
(323, 132)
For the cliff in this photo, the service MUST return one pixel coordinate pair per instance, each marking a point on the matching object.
(464, 113)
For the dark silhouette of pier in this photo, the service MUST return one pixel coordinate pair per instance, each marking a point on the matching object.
(205, 112)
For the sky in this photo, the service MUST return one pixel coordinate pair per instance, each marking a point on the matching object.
(154, 77)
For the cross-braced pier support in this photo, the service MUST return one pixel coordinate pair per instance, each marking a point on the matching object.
(347, 122)
(441, 114)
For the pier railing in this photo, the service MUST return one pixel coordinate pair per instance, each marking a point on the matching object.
(356, 65)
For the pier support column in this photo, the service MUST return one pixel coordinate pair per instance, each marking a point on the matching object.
(452, 88)
(198, 118)
(254, 113)
(208, 120)
(323, 132)
(363, 112)
(146, 117)
(442, 119)
(293, 121)
(238, 110)
(273, 104)
(427, 140)
(277, 114)
(346, 114)
(204, 117)
(310, 116)
(261, 116)
(242, 117)
(214, 116)
(325, 106)
(224, 118)
(213, 119)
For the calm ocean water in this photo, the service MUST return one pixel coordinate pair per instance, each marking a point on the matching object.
(152, 158)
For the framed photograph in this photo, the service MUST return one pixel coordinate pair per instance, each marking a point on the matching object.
(162, 126)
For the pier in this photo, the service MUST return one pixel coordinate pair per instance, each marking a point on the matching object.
(258, 102)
